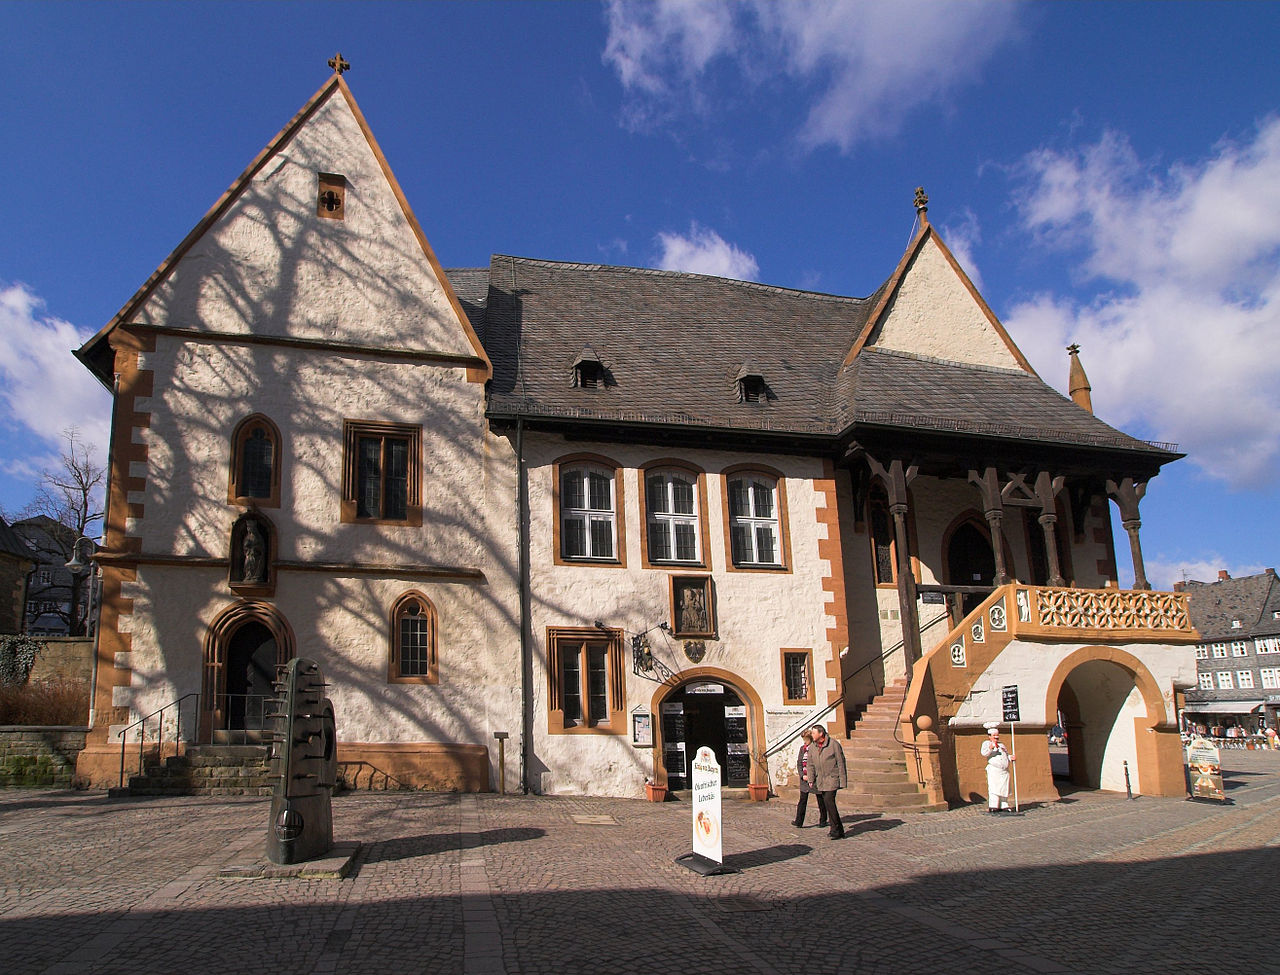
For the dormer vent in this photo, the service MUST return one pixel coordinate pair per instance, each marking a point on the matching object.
(751, 386)
(588, 370)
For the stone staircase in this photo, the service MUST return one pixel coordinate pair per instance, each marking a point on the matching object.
(879, 777)
(207, 770)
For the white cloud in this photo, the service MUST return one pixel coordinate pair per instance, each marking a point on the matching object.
(703, 251)
(45, 389)
(865, 64)
(1162, 573)
(962, 238)
(1179, 334)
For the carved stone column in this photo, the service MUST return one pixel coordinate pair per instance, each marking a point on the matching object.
(988, 482)
(1047, 489)
(896, 478)
(1127, 494)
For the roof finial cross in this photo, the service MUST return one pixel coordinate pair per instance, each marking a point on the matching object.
(922, 199)
(339, 63)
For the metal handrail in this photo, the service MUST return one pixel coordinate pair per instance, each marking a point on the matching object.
(828, 708)
(142, 734)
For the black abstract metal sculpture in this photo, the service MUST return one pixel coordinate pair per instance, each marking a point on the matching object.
(304, 765)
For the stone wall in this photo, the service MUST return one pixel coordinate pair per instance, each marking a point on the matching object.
(64, 658)
(39, 758)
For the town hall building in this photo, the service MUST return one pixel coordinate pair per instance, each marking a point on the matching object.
(609, 514)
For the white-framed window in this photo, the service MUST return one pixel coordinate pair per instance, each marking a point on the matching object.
(1202, 652)
(45, 577)
(1270, 678)
(754, 523)
(588, 513)
(1219, 650)
(1244, 679)
(1267, 644)
(1225, 682)
(671, 497)
(1239, 648)
(1236, 624)
(1206, 682)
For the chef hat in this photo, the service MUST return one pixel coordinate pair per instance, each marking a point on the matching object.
(992, 727)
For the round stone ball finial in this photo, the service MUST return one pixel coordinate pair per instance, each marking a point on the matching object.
(924, 722)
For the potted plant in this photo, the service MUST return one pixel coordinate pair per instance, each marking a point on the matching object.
(759, 791)
(655, 792)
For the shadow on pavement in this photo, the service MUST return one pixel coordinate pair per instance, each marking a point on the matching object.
(430, 844)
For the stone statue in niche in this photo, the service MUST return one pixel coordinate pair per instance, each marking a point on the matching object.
(254, 553)
(693, 610)
(250, 550)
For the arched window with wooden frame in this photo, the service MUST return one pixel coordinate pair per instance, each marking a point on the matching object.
(254, 477)
(755, 514)
(414, 655)
(673, 498)
(880, 528)
(589, 522)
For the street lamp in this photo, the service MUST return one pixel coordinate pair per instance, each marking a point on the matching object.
(78, 567)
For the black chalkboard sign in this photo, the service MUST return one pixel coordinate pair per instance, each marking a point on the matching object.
(1009, 703)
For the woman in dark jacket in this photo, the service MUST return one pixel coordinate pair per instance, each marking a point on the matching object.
(802, 767)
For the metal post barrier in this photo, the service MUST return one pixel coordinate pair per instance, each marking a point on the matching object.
(1128, 790)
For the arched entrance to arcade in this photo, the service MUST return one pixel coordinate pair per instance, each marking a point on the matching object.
(242, 649)
(1110, 706)
(710, 707)
(970, 561)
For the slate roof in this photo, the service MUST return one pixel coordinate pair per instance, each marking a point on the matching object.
(1250, 599)
(672, 344)
(11, 544)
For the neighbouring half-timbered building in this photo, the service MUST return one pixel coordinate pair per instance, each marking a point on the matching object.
(610, 513)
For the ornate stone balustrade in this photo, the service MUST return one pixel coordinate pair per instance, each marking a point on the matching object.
(1100, 614)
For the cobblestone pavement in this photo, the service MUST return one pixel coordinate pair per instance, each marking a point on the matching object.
(484, 885)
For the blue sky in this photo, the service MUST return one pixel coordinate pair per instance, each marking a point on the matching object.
(1108, 173)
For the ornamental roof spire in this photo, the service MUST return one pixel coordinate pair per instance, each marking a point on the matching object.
(1078, 383)
(339, 63)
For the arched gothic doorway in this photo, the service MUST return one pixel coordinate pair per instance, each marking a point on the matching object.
(242, 649)
(970, 562)
(714, 709)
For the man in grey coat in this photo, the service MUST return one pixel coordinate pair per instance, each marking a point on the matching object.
(826, 775)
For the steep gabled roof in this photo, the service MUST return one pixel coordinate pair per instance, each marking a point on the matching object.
(96, 353)
(926, 241)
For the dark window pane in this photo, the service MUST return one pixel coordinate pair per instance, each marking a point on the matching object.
(659, 543)
(657, 493)
(763, 496)
(597, 684)
(686, 543)
(571, 683)
(682, 496)
(599, 486)
(882, 539)
(740, 543)
(574, 534)
(396, 481)
(369, 477)
(764, 544)
(738, 498)
(601, 539)
(797, 676)
(571, 495)
(255, 467)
